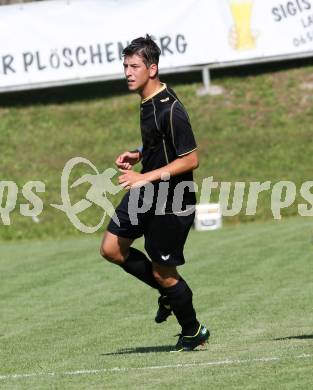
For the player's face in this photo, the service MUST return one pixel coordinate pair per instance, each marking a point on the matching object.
(136, 73)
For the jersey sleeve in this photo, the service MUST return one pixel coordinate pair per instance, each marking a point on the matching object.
(180, 130)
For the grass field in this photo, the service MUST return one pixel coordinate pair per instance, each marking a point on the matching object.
(70, 321)
(259, 129)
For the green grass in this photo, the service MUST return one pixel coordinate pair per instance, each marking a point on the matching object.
(260, 129)
(63, 310)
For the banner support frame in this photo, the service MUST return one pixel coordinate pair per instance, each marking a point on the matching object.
(208, 88)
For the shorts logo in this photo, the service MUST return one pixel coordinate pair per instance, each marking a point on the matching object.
(165, 258)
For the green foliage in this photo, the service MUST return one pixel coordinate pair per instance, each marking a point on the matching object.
(260, 129)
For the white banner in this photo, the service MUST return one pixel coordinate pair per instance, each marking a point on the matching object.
(57, 42)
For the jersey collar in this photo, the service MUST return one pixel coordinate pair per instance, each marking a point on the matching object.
(154, 94)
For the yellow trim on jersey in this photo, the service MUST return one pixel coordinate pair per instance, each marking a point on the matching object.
(155, 93)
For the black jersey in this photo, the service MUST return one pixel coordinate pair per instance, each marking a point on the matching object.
(166, 135)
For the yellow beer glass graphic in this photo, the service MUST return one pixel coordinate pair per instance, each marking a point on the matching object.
(241, 10)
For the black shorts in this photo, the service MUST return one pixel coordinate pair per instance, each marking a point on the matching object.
(165, 235)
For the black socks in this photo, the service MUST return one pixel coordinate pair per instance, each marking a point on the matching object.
(180, 299)
(179, 295)
(138, 265)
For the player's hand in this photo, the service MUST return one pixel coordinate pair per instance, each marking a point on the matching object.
(127, 159)
(131, 179)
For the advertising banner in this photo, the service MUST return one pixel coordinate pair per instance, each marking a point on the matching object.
(58, 42)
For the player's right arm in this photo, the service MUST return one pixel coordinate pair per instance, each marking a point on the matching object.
(127, 159)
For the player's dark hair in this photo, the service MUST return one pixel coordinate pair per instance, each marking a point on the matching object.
(144, 47)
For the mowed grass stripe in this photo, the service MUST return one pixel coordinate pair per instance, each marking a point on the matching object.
(259, 129)
(64, 310)
(125, 369)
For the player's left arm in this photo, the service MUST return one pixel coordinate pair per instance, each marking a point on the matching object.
(182, 164)
(180, 132)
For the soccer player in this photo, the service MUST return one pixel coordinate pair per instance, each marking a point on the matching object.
(168, 156)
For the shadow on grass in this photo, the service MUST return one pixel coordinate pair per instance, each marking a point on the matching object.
(152, 349)
(83, 92)
(301, 337)
(108, 89)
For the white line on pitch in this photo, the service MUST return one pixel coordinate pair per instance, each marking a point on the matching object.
(124, 369)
